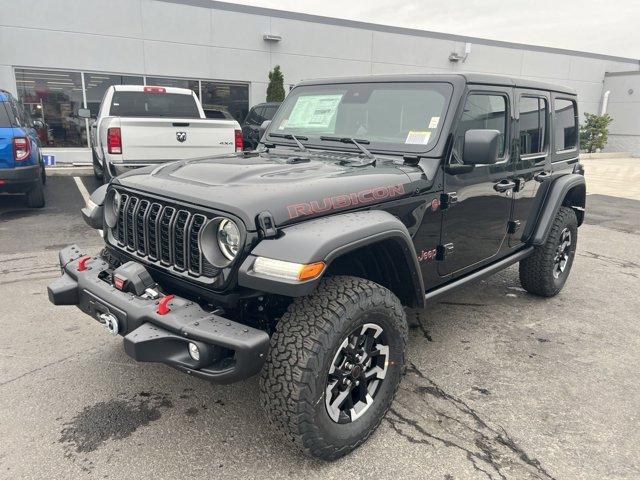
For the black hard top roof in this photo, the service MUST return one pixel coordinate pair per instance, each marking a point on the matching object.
(471, 78)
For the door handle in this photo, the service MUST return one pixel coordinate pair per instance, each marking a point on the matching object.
(542, 176)
(504, 185)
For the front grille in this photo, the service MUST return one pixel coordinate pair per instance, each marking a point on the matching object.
(162, 233)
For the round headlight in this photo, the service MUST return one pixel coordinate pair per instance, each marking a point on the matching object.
(220, 241)
(229, 238)
(112, 207)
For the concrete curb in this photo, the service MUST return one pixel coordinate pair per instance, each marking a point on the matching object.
(69, 171)
(605, 155)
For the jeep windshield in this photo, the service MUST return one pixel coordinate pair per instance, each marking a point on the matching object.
(392, 117)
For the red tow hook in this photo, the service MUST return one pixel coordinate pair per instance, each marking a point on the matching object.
(163, 307)
(82, 263)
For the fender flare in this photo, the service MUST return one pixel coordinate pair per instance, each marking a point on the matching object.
(92, 215)
(553, 200)
(326, 239)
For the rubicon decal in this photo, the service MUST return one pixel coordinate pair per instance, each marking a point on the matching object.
(337, 202)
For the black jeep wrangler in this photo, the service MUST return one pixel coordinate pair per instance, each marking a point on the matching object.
(295, 261)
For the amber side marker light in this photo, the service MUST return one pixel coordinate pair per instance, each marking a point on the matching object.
(294, 272)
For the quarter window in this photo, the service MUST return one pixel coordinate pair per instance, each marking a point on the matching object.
(482, 111)
(566, 124)
(533, 125)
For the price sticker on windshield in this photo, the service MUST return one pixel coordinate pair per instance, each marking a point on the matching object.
(433, 123)
(418, 137)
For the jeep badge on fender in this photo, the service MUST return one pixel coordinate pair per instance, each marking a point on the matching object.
(296, 261)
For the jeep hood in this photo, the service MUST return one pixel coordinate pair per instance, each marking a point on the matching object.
(291, 186)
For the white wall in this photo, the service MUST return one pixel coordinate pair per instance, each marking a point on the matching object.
(624, 108)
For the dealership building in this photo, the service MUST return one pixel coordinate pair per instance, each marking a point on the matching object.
(61, 55)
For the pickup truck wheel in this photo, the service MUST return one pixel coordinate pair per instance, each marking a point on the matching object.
(106, 175)
(545, 272)
(335, 362)
(98, 172)
(35, 196)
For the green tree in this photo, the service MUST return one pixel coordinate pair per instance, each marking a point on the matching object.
(594, 131)
(275, 90)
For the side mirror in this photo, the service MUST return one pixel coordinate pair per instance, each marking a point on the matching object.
(38, 124)
(481, 147)
(263, 128)
(84, 113)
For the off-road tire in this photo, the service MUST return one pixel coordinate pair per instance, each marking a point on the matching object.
(35, 196)
(303, 346)
(536, 271)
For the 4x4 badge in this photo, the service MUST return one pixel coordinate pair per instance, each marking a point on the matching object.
(181, 136)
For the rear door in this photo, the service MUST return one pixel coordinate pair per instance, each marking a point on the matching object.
(533, 163)
(6, 136)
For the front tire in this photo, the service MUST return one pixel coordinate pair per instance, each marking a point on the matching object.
(545, 272)
(334, 365)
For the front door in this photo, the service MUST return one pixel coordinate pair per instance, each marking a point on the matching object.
(533, 164)
(474, 223)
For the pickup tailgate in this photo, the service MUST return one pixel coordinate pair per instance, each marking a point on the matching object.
(151, 140)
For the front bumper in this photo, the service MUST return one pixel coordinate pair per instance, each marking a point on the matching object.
(19, 179)
(230, 351)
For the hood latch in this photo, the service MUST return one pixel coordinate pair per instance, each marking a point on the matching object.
(267, 225)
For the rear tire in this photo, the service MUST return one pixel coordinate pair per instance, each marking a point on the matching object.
(545, 272)
(106, 175)
(35, 196)
(318, 389)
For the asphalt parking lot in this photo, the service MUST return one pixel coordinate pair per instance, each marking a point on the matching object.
(500, 384)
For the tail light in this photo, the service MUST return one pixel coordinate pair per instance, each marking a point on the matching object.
(114, 140)
(239, 142)
(21, 148)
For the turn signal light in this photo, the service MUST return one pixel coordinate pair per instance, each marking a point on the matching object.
(296, 272)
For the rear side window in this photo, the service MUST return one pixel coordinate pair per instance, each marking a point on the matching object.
(566, 124)
(5, 119)
(533, 125)
(255, 116)
(483, 111)
(148, 104)
(269, 112)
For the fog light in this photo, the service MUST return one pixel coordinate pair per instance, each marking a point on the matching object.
(194, 352)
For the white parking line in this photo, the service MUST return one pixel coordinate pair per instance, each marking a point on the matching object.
(83, 189)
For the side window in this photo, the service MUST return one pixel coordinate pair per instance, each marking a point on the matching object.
(254, 117)
(482, 111)
(270, 111)
(533, 125)
(566, 124)
(16, 118)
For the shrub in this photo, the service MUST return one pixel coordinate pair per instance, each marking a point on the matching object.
(594, 131)
(275, 90)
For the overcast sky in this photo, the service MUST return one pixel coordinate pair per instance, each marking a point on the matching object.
(603, 26)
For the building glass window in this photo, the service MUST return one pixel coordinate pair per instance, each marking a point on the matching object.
(96, 85)
(175, 82)
(54, 97)
(533, 125)
(226, 97)
(566, 124)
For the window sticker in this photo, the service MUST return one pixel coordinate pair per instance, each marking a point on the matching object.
(314, 111)
(434, 122)
(283, 124)
(418, 137)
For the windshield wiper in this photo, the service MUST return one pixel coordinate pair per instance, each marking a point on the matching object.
(291, 136)
(358, 143)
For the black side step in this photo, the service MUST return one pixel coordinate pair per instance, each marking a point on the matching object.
(478, 274)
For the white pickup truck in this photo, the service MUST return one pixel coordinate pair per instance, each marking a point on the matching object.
(143, 125)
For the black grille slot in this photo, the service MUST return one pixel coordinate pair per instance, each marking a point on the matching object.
(129, 222)
(197, 222)
(152, 230)
(121, 233)
(166, 224)
(179, 239)
(163, 234)
(141, 240)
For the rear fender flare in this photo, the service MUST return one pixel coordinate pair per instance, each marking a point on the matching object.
(571, 188)
(327, 239)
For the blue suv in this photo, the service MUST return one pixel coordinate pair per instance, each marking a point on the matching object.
(21, 164)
